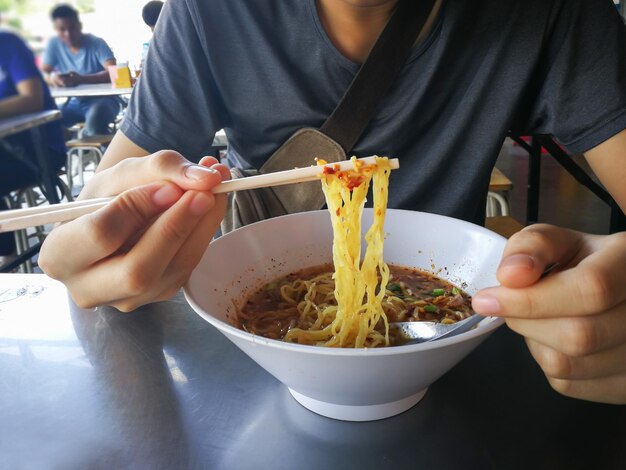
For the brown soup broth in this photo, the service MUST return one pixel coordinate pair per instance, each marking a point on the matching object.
(412, 295)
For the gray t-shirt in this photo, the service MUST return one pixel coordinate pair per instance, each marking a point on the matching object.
(263, 69)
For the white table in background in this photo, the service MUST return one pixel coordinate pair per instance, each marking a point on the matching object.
(88, 90)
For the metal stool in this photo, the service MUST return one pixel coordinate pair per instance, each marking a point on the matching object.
(496, 205)
(81, 148)
(499, 185)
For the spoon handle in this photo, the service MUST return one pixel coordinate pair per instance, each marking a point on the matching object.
(460, 327)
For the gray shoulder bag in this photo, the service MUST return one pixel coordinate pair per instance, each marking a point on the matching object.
(337, 136)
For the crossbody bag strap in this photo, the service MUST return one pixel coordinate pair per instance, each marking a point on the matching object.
(390, 52)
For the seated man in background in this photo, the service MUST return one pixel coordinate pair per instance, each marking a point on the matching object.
(74, 58)
(150, 13)
(22, 90)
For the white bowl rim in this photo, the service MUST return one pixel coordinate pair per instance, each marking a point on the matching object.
(482, 328)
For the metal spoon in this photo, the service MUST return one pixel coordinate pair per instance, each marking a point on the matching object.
(413, 332)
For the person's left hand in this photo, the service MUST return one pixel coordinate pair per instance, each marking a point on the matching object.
(70, 79)
(574, 319)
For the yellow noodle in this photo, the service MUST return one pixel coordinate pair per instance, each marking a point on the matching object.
(350, 307)
(359, 288)
(311, 306)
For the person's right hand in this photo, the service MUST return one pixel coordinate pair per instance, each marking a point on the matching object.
(143, 245)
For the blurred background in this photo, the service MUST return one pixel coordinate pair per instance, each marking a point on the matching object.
(118, 22)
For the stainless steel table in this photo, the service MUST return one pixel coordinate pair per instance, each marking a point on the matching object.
(161, 388)
(23, 122)
(32, 122)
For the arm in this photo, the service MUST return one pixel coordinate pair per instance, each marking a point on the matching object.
(56, 79)
(74, 79)
(28, 100)
(608, 161)
(574, 320)
(100, 77)
(121, 147)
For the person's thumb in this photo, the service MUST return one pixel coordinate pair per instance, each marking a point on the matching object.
(109, 229)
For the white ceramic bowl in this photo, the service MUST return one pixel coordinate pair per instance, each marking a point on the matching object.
(347, 384)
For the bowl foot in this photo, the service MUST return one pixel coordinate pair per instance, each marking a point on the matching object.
(358, 413)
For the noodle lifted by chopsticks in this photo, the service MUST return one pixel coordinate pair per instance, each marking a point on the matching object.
(359, 287)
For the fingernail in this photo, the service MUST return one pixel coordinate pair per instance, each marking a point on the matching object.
(518, 261)
(206, 158)
(200, 204)
(197, 172)
(166, 195)
(486, 305)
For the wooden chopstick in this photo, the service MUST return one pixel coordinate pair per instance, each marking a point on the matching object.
(18, 219)
(14, 213)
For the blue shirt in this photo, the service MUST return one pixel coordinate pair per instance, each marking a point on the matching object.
(17, 64)
(93, 52)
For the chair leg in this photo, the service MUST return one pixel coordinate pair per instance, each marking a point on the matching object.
(81, 154)
(66, 192)
(21, 245)
(81, 167)
(496, 205)
(68, 168)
